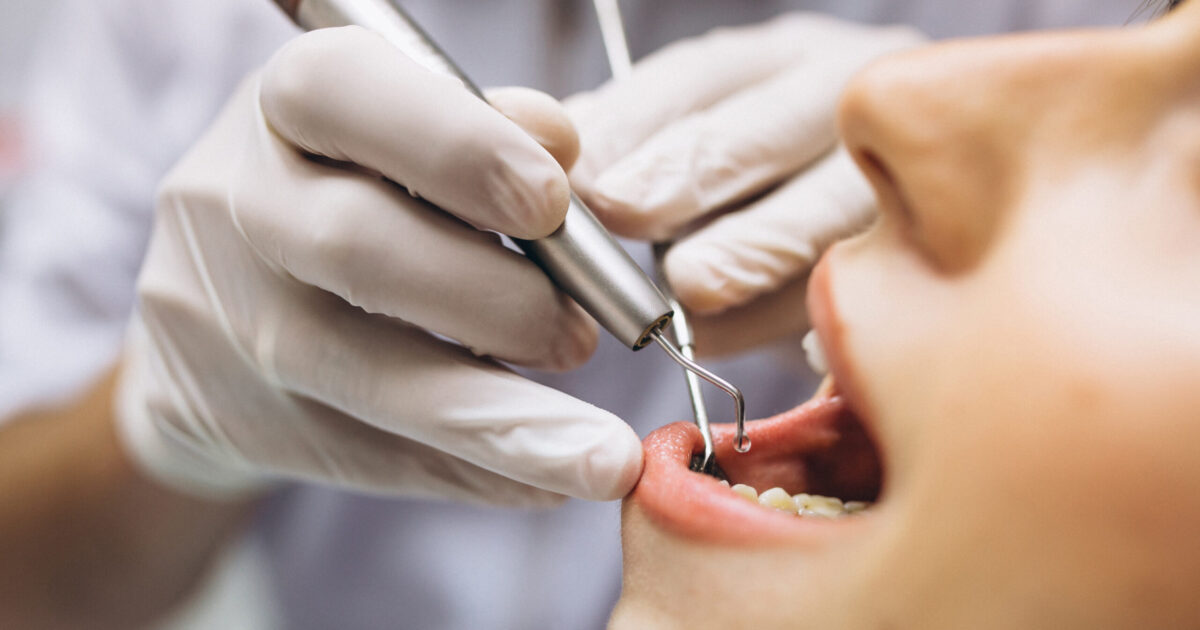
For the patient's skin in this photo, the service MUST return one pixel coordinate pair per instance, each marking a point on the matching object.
(1021, 335)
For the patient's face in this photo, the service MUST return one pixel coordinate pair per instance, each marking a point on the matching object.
(1016, 352)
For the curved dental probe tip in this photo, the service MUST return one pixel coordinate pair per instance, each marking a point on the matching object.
(681, 331)
(742, 442)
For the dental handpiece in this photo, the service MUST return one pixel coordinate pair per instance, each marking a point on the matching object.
(581, 257)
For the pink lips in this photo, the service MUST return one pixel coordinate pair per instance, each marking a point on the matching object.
(815, 447)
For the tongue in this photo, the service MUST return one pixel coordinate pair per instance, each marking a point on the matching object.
(818, 447)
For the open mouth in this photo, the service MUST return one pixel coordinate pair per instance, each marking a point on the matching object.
(817, 450)
(822, 451)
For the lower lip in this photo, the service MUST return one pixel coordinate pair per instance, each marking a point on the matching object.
(700, 508)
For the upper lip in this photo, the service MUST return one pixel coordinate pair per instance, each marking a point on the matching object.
(843, 370)
(830, 329)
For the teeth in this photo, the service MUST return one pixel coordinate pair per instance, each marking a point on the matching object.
(746, 492)
(856, 506)
(825, 506)
(777, 498)
(815, 353)
(807, 505)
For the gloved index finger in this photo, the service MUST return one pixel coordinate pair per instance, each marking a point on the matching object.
(737, 147)
(349, 95)
(679, 79)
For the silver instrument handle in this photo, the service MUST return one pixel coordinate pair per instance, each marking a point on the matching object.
(581, 257)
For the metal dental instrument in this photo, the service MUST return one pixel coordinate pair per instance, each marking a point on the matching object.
(581, 257)
(682, 330)
(612, 30)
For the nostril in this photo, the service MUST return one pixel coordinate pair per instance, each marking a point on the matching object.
(888, 193)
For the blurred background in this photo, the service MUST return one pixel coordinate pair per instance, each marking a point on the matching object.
(22, 19)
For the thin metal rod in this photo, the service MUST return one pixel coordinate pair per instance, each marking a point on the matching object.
(741, 443)
(612, 30)
(682, 333)
(683, 338)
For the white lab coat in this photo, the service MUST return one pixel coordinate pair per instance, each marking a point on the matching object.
(121, 87)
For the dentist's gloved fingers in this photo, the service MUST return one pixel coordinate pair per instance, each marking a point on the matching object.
(720, 155)
(336, 449)
(772, 241)
(295, 304)
(401, 380)
(731, 150)
(687, 76)
(349, 95)
(542, 117)
(768, 318)
(361, 456)
(363, 239)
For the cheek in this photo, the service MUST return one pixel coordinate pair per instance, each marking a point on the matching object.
(1050, 437)
(1023, 428)
(1088, 475)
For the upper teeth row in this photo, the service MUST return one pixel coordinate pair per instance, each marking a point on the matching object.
(800, 504)
(815, 353)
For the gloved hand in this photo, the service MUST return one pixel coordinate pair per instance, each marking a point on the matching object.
(733, 135)
(291, 295)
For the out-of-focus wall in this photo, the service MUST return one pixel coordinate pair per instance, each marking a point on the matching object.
(19, 24)
(19, 21)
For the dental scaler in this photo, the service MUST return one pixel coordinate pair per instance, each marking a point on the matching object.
(581, 257)
(620, 62)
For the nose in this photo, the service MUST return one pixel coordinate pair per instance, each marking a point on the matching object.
(938, 131)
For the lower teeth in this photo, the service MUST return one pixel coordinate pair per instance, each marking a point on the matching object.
(807, 505)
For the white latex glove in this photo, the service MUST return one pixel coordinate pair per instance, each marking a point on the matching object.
(287, 300)
(744, 120)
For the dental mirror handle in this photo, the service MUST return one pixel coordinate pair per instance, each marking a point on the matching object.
(581, 257)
